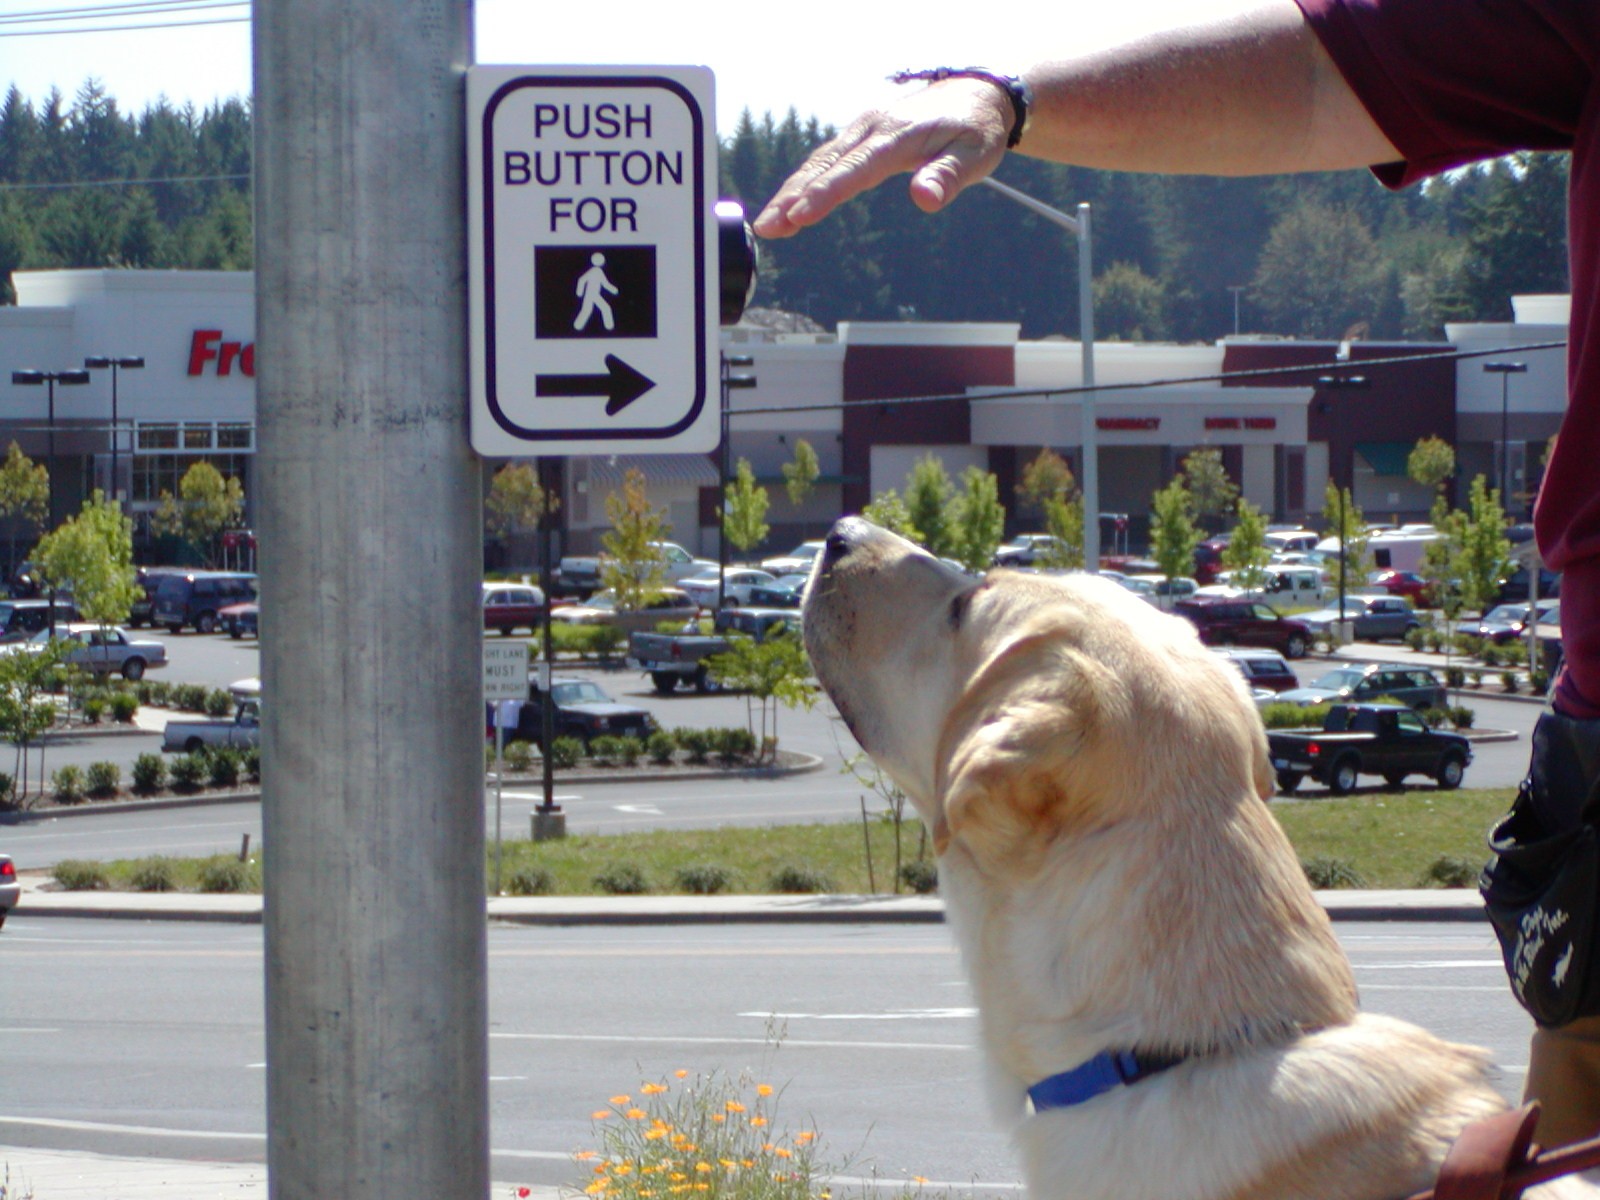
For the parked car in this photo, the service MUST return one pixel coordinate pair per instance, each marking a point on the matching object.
(197, 597)
(786, 591)
(797, 561)
(1266, 670)
(242, 732)
(21, 619)
(1208, 558)
(103, 649)
(1290, 587)
(580, 574)
(1281, 541)
(10, 888)
(1027, 549)
(1372, 618)
(1404, 583)
(737, 583)
(1239, 622)
(1414, 687)
(241, 620)
(1515, 589)
(148, 579)
(1507, 622)
(670, 604)
(581, 710)
(1164, 592)
(1367, 739)
(512, 606)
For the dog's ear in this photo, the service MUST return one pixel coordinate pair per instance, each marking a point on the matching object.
(1021, 756)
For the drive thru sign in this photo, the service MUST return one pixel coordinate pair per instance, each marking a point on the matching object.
(592, 260)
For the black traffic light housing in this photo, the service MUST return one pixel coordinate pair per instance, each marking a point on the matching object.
(736, 252)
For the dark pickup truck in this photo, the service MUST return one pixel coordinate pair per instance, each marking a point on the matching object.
(1367, 739)
(673, 658)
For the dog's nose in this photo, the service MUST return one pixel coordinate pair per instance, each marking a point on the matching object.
(841, 539)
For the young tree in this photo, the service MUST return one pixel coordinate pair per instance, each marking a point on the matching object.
(206, 504)
(1347, 523)
(927, 498)
(633, 567)
(1211, 491)
(769, 672)
(889, 510)
(1063, 520)
(801, 474)
(27, 709)
(516, 503)
(24, 495)
(1173, 533)
(744, 509)
(1246, 553)
(1485, 556)
(1046, 477)
(92, 554)
(1431, 463)
(977, 520)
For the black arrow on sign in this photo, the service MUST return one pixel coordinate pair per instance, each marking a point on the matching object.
(621, 385)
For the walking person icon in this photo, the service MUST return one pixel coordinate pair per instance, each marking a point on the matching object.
(592, 288)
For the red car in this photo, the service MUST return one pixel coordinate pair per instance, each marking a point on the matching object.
(1404, 583)
(1227, 621)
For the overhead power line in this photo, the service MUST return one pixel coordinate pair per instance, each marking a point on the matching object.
(119, 17)
(99, 12)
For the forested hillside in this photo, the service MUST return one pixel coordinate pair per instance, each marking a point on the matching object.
(1318, 256)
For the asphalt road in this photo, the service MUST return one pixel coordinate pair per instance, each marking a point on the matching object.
(147, 1039)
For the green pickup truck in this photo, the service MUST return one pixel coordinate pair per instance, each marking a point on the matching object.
(1367, 739)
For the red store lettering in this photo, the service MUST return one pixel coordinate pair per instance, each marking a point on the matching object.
(206, 345)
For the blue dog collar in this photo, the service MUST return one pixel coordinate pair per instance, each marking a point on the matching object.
(1107, 1070)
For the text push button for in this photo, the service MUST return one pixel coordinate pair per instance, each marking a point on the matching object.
(592, 259)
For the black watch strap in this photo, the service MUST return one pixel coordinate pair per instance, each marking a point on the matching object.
(1014, 86)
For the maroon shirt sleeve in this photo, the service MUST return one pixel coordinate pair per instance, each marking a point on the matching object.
(1448, 81)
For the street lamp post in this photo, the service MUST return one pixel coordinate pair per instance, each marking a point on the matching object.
(1336, 382)
(730, 381)
(32, 378)
(1090, 483)
(125, 362)
(1505, 370)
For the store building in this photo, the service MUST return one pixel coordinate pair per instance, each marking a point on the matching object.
(870, 398)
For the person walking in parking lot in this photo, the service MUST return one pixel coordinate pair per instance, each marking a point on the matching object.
(1410, 88)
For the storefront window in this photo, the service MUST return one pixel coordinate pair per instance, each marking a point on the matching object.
(237, 436)
(197, 437)
(158, 437)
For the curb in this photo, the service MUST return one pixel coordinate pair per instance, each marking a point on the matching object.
(806, 764)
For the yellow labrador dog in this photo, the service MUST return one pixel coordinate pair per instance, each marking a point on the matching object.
(1165, 1011)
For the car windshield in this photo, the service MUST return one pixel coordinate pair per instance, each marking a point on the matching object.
(1337, 681)
(579, 692)
(1507, 613)
(606, 600)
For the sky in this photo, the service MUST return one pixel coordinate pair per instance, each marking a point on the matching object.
(829, 63)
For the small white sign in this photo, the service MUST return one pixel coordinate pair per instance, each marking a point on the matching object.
(505, 671)
(593, 259)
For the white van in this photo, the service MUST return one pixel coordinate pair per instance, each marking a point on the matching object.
(1282, 587)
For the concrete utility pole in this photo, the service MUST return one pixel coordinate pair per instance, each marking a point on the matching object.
(371, 546)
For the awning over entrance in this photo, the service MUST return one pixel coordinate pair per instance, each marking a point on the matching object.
(1385, 458)
(659, 470)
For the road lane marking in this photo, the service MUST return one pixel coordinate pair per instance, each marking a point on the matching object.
(906, 1014)
(1428, 966)
(141, 1130)
(646, 810)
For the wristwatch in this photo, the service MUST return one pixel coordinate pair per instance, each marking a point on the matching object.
(1014, 86)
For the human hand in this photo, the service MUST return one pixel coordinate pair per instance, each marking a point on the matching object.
(949, 135)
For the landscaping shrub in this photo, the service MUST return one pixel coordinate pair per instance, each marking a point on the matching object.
(218, 703)
(734, 744)
(123, 706)
(921, 876)
(154, 875)
(605, 749)
(103, 778)
(1455, 677)
(67, 783)
(1281, 715)
(1509, 681)
(145, 691)
(79, 875)
(696, 744)
(1415, 638)
(94, 707)
(630, 750)
(622, 879)
(223, 769)
(799, 877)
(1332, 873)
(518, 755)
(1476, 677)
(530, 881)
(250, 763)
(190, 697)
(703, 879)
(1538, 681)
(188, 771)
(565, 752)
(1434, 718)
(158, 691)
(661, 746)
(228, 875)
(8, 790)
(149, 772)
(1461, 716)
(1451, 871)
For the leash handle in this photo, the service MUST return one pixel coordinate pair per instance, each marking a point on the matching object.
(1491, 1161)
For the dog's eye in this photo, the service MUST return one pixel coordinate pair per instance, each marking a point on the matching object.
(958, 609)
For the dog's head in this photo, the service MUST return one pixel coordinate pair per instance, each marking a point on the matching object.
(1017, 706)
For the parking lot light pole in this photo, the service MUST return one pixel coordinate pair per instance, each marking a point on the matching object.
(126, 362)
(1334, 382)
(1089, 485)
(1505, 370)
(730, 381)
(32, 378)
